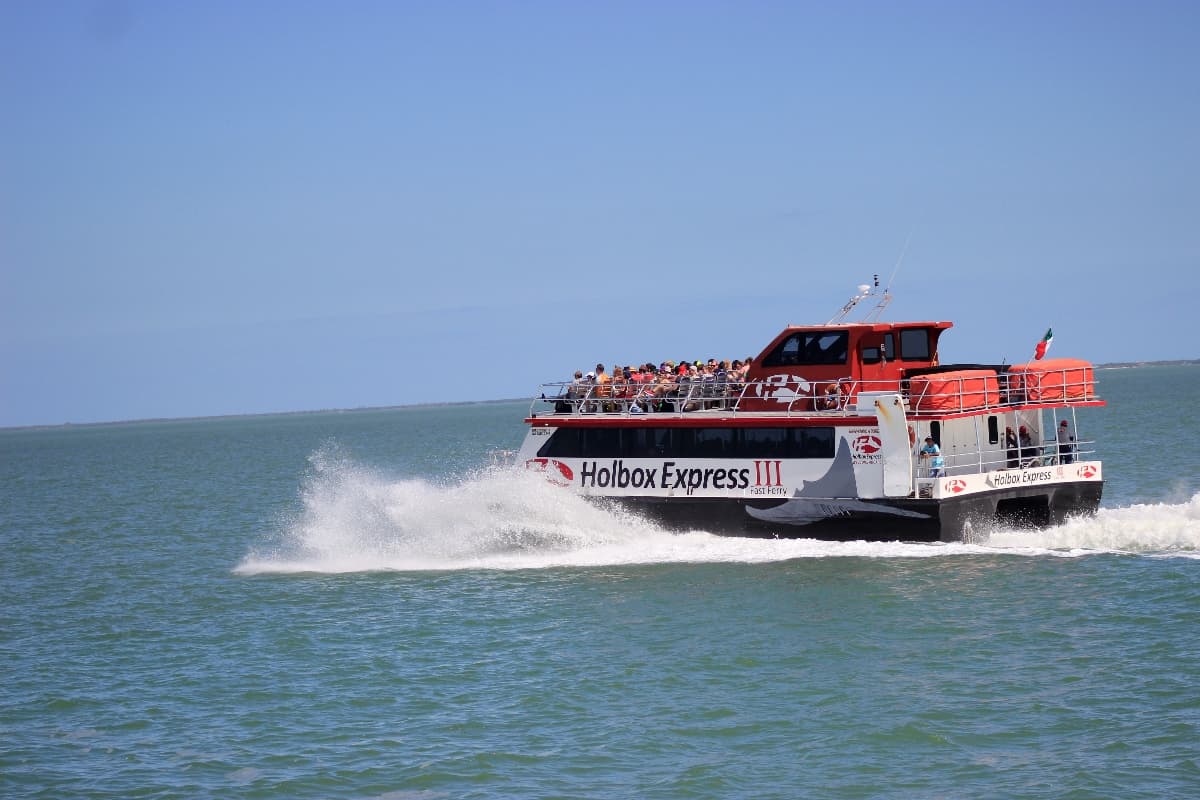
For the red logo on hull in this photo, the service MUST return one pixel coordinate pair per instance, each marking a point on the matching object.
(1087, 471)
(867, 444)
(955, 485)
(556, 472)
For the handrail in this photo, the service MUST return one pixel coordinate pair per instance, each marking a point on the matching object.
(935, 395)
(978, 462)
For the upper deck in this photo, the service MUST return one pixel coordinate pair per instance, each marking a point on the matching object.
(928, 392)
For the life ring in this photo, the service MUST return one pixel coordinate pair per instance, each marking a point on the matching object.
(912, 436)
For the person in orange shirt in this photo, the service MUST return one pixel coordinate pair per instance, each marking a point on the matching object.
(603, 388)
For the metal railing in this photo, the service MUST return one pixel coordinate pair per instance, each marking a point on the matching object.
(1029, 456)
(633, 399)
(925, 396)
(558, 398)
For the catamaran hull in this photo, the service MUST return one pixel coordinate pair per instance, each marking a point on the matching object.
(952, 519)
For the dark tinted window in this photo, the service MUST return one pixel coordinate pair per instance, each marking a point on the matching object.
(914, 345)
(712, 442)
(602, 443)
(814, 443)
(646, 442)
(564, 442)
(765, 443)
(690, 443)
(812, 347)
(875, 354)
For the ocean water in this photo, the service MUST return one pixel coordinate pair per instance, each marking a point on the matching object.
(354, 605)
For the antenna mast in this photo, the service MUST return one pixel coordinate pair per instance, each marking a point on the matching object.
(864, 291)
(873, 315)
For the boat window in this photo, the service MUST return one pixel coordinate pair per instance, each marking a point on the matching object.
(810, 347)
(993, 430)
(564, 442)
(712, 442)
(935, 430)
(814, 443)
(765, 443)
(914, 344)
(876, 353)
(690, 443)
(602, 443)
(645, 442)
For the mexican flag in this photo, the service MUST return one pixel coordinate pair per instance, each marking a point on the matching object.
(1043, 345)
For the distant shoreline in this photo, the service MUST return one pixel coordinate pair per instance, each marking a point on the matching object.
(1186, 362)
(1183, 362)
(256, 415)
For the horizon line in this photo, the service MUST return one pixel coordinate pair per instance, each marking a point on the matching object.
(432, 404)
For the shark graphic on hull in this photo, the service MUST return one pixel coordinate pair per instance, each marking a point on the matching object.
(831, 495)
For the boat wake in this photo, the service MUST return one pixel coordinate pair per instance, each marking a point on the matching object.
(354, 519)
(1159, 529)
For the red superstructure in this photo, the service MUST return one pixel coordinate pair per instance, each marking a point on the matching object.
(802, 362)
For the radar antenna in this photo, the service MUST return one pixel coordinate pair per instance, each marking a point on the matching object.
(864, 291)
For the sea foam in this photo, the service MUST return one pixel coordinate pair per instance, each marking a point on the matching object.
(355, 519)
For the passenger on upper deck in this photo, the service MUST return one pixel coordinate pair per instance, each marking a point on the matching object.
(569, 400)
(737, 379)
(619, 388)
(671, 386)
(721, 384)
(589, 392)
(690, 388)
(708, 384)
(603, 389)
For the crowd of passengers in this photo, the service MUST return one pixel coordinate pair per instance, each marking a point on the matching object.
(645, 387)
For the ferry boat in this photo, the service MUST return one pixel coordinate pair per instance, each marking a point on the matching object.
(842, 431)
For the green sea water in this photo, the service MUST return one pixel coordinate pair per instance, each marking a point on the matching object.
(353, 605)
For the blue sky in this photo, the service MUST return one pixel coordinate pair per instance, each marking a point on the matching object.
(244, 207)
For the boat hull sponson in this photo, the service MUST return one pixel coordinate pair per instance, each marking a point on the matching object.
(967, 518)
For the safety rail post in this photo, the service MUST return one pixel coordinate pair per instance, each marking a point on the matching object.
(742, 394)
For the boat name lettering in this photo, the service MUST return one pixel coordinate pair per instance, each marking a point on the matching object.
(617, 475)
(698, 478)
(1015, 478)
